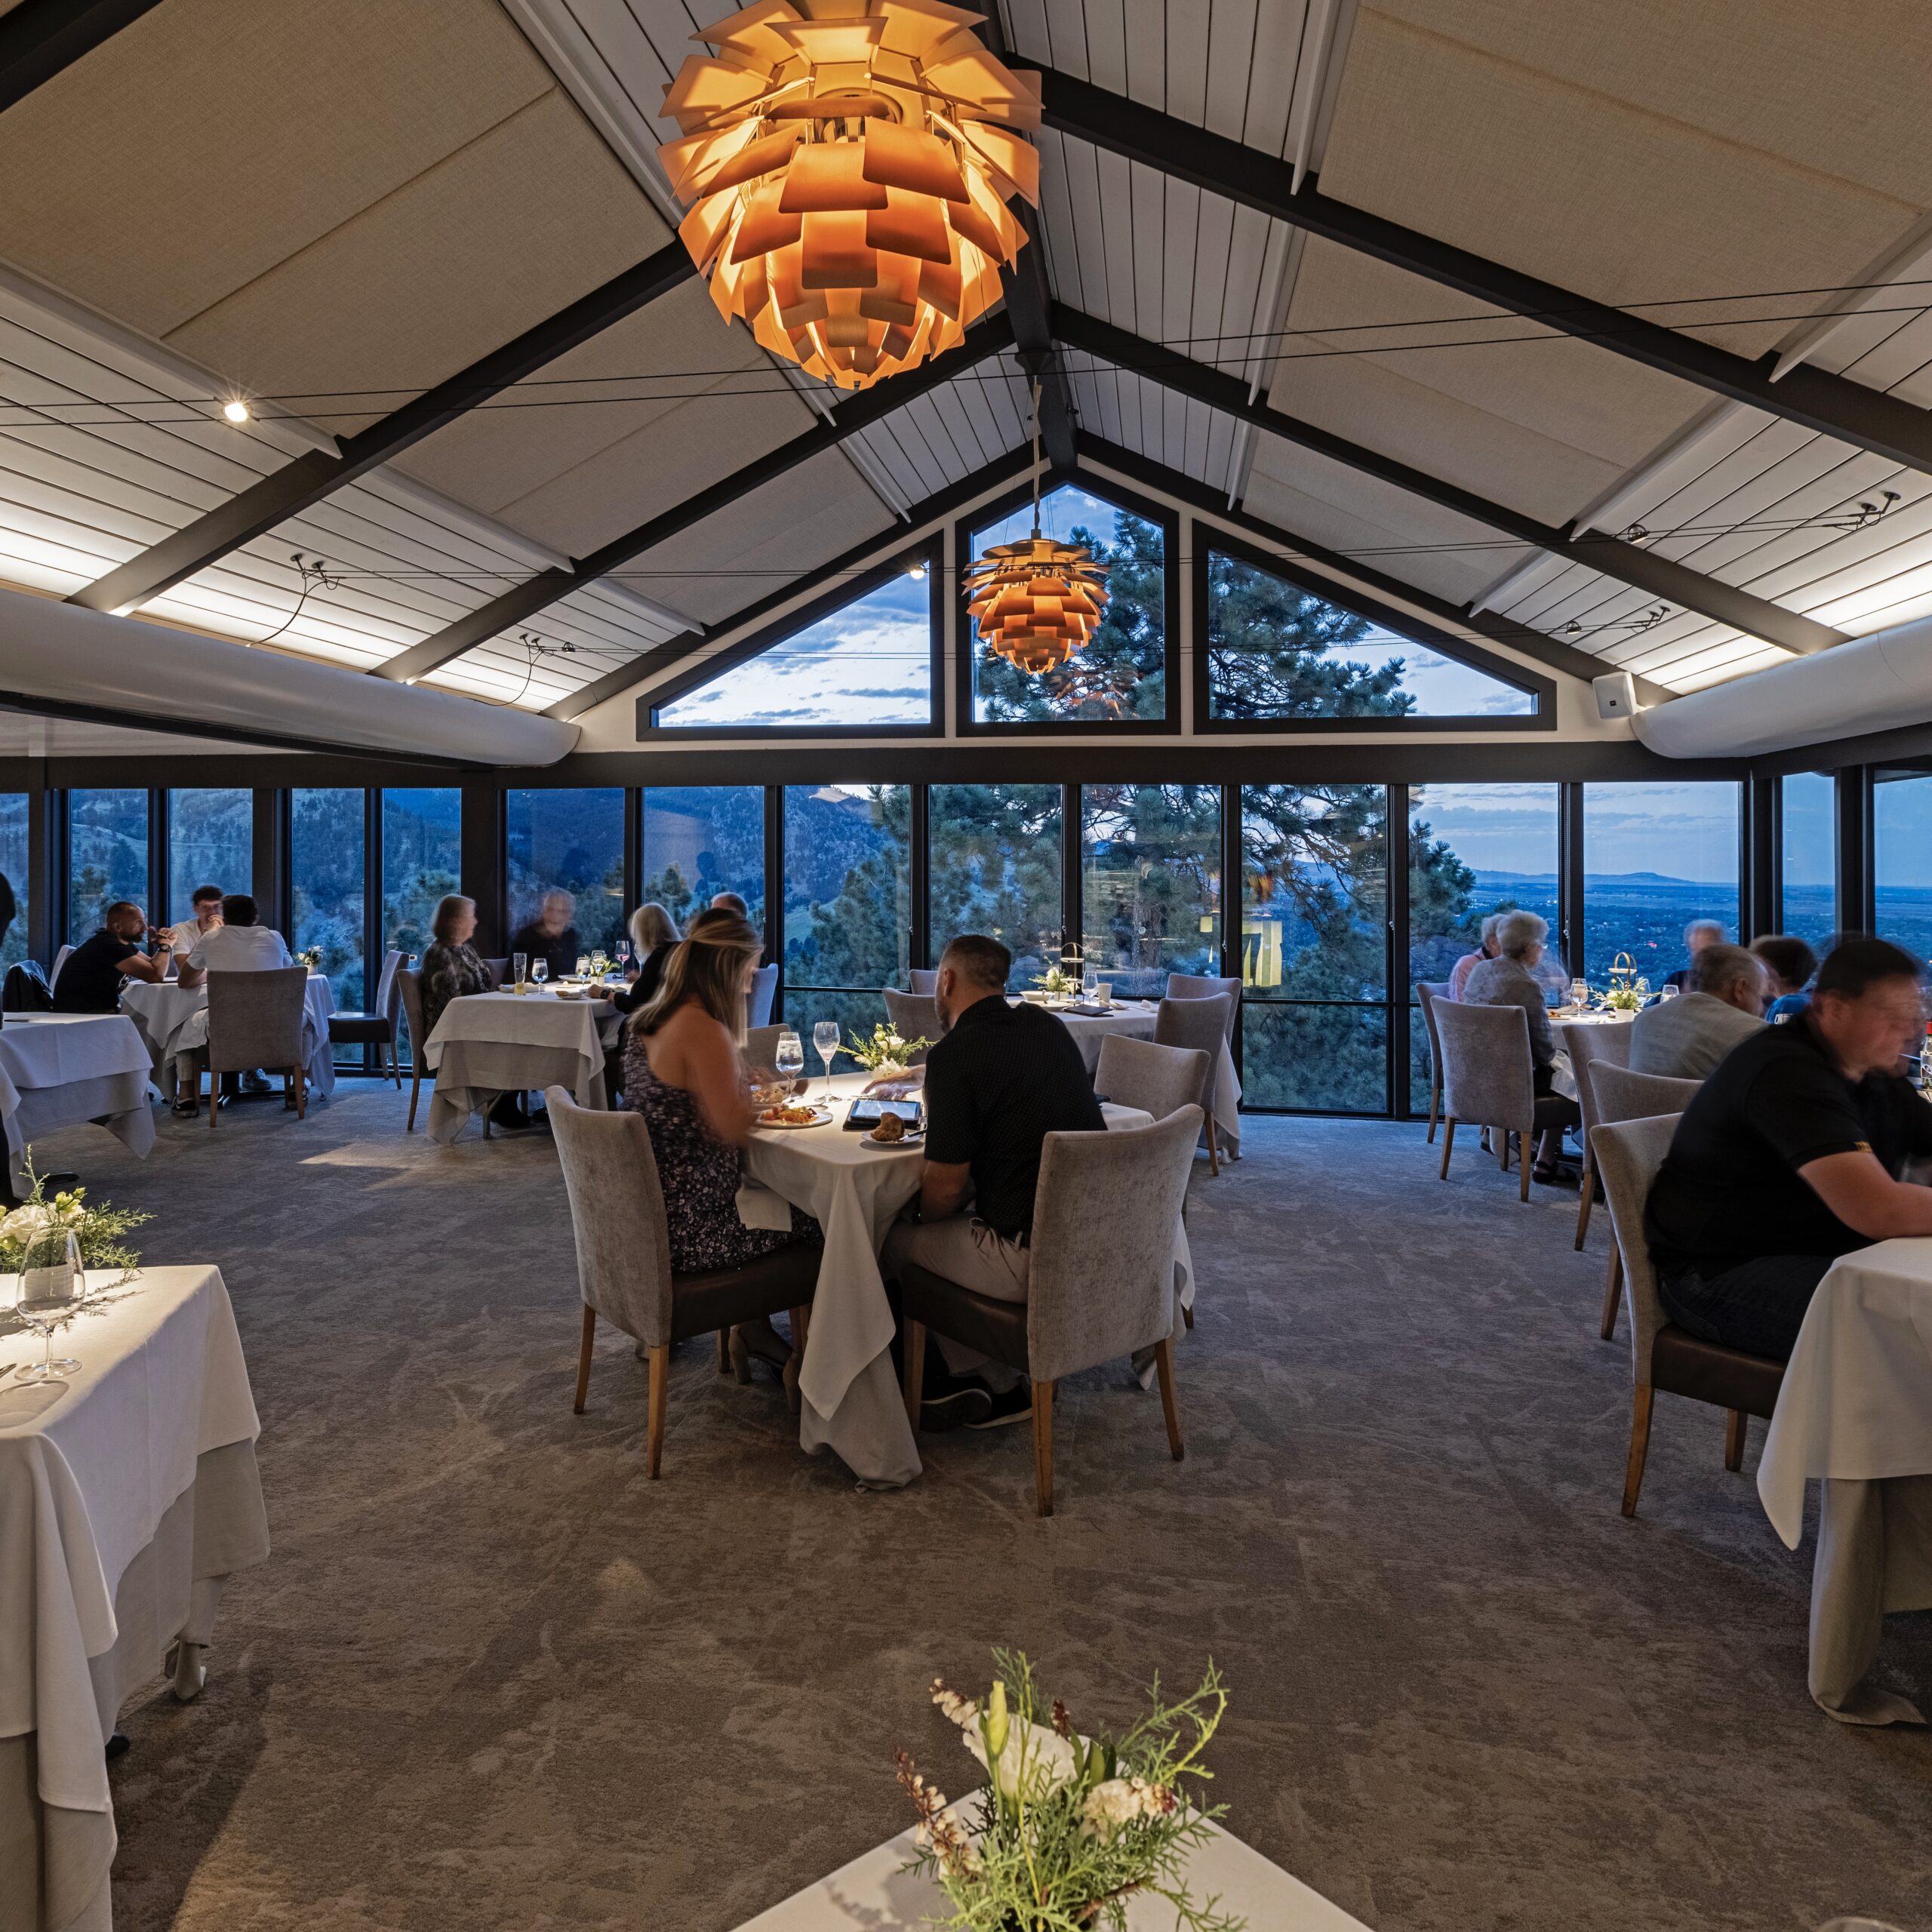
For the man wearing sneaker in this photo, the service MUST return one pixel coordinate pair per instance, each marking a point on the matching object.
(999, 1080)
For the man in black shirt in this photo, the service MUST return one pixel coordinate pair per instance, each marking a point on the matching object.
(90, 976)
(999, 1080)
(1740, 1245)
(551, 936)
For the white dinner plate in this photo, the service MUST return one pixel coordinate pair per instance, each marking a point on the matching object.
(821, 1114)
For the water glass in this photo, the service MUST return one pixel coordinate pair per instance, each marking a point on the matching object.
(1580, 994)
(825, 1037)
(1089, 986)
(583, 965)
(1668, 992)
(519, 968)
(789, 1060)
(540, 969)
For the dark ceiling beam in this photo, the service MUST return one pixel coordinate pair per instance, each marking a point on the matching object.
(1212, 505)
(288, 491)
(522, 601)
(1831, 405)
(39, 38)
(688, 646)
(1629, 563)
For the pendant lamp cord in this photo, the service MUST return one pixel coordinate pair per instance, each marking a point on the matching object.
(1036, 457)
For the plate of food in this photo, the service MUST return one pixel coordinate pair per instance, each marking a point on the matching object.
(791, 1117)
(893, 1130)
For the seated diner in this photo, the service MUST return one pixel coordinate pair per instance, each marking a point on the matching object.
(1723, 1004)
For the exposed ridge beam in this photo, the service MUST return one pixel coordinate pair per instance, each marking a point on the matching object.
(1832, 405)
(1656, 576)
(287, 492)
(39, 38)
(522, 601)
(1211, 507)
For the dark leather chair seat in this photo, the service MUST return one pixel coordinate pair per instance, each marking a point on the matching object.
(720, 1298)
(1682, 1364)
(995, 1328)
(360, 1030)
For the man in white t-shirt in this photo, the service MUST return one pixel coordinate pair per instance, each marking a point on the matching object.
(182, 938)
(235, 944)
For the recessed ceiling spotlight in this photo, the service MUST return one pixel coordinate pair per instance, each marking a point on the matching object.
(236, 410)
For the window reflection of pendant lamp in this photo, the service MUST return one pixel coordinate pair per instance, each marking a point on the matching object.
(848, 175)
(1038, 601)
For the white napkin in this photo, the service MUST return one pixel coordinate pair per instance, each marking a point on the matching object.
(759, 1207)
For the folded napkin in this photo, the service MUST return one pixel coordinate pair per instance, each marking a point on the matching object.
(759, 1207)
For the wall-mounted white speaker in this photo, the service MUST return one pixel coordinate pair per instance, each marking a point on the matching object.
(1617, 695)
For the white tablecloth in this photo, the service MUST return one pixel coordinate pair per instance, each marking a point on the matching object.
(850, 1401)
(487, 1044)
(1856, 1412)
(1563, 1075)
(173, 1018)
(876, 1893)
(59, 1069)
(89, 1469)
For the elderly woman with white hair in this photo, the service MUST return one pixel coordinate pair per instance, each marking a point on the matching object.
(1510, 979)
(1459, 973)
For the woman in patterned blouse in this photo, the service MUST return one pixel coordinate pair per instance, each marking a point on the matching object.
(451, 966)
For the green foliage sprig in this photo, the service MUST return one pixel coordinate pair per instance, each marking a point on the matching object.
(98, 1230)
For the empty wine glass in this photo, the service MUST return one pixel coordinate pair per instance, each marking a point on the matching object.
(1090, 986)
(825, 1037)
(1580, 994)
(583, 965)
(789, 1060)
(43, 1312)
(540, 969)
(519, 967)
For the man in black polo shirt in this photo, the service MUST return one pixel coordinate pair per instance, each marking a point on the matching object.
(91, 975)
(1789, 1156)
(1000, 1080)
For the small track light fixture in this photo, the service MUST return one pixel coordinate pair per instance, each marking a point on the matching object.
(236, 410)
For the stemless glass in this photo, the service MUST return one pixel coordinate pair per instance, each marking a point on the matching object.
(540, 969)
(1668, 992)
(519, 968)
(789, 1060)
(825, 1037)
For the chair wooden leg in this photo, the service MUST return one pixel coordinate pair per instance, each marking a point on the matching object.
(415, 1088)
(660, 1388)
(1164, 1369)
(583, 1358)
(802, 1322)
(1043, 1447)
(1448, 1146)
(301, 1093)
(1214, 1152)
(1613, 1293)
(395, 1063)
(1502, 1150)
(1523, 1163)
(1639, 1445)
(915, 1343)
(1435, 1107)
(214, 1095)
(1587, 1186)
(724, 1351)
(1735, 1425)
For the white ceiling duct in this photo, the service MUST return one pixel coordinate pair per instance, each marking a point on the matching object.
(88, 663)
(1873, 684)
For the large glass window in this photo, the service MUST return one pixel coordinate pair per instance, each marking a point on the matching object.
(1150, 885)
(1276, 650)
(422, 860)
(995, 869)
(14, 945)
(1655, 858)
(569, 841)
(701, 840)
(1473, 850)
(1122, 673)
(210, 841)
(107, 857)
(1809, 836)
(848, 926)
(1315, 912)
(1902, 857)
(328, 827)
(867, 663)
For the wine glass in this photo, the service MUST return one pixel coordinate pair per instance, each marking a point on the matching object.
(789, 1060)
(1580, 994)
(540, 969)
(583, 965)
(1668, 992)
(519, 968)
(44, 1316)
(1089, 986)
(623, 952)
(825, 1037)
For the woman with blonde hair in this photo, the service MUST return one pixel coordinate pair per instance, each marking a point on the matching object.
(654, 933)
(683, 1072)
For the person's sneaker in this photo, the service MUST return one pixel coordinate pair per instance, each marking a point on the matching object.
(960, 1404)
(255, 1083)
(1013, 1404)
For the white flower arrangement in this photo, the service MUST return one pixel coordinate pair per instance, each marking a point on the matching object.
(1056, 983)
(30, 1233)
(312, 958)
(1070, 1828)
(885, 1048)
(1628, 997)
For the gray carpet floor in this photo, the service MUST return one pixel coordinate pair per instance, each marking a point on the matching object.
(492, 1676)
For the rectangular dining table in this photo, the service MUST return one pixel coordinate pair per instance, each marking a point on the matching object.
(488, 1044)
(173, 1019)
(64, 1070)
(849, 1398)
(128, 1493)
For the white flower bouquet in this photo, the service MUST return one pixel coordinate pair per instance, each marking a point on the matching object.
(1056, 983)
(1069, 1829)
(33, 1234)
(885, 1049)
(1628, 997)
(312, 958)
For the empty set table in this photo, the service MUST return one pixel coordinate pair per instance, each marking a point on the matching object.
(62, 1069)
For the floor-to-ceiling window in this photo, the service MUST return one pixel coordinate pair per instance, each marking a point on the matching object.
(1655, 857)
(1314, 951)
(422, 860)
(13, 864)
(847, 918)
(210, 841)
(1473, 850)
(1902, 857)
(701, 840)
(569, 841)
(327, 846)
(107, 857)
(995, 868)
(1807, 840)
(1150, 883)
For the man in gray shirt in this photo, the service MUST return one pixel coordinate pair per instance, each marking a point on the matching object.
(1686, 1037)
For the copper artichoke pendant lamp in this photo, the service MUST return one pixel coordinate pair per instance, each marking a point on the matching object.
(848, 164)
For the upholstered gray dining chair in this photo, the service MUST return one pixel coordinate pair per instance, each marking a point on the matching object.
(254, 1020)
(758, 1001)
(377, 1027)
(924, 979)
(1663, 1356)
(761, 1044)
(1428, 992)
(1202, 986)
(499, 971)
(1141, 1073)
(409, 990)
(1198, 1025)
(1617, 1094)
(1102, 1281)
(623, 1256)
(1590, 1047)
(916, 1017)
(1489, 1080)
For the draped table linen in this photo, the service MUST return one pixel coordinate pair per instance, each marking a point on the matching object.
(1855, 1412)
(61, 1069)
(876, 1893)
(487, 1044)
(850, 1401)
(1563, 1073)
(125, 1492)
(173, 1018)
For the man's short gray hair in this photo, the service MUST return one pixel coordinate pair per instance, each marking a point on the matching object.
(1714, 928)
(1517, 932)
(1718, 967)
(1487, 929)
